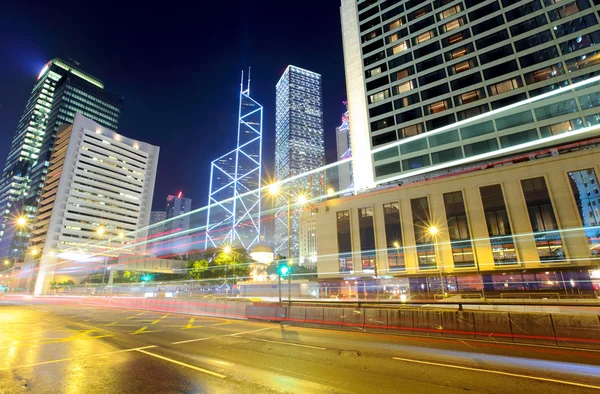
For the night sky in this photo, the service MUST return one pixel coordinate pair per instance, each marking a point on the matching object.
(178, 68)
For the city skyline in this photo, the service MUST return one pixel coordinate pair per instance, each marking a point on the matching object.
(187, 85)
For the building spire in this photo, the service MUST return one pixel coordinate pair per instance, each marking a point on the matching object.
(249, 69)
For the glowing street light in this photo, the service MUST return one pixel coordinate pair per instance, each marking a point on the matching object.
(34, 252)
(227, 249)
(121, 235)
(6, 262)
(101, 230)
(302, 199)
(433, 231)
(274, 189)
(22, 221)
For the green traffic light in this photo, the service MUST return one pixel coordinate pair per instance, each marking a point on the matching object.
(284, 269)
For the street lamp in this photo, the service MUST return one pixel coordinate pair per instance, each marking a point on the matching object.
(100, 231)
(6, 262)
(433, 231)
(22, 221)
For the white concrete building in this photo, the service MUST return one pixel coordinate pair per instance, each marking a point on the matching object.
(96, 201)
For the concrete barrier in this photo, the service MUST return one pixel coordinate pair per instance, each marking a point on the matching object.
(376, 320)
(210, 307)
(458, 324)
(400, 321)
(240, 310)
(220, 308)
(532, 328)
(493, 326)
(265, 312)
(427, 322)
(314, 316)
(296, 314)
(333, 317)
(577, 330)
(354, 318)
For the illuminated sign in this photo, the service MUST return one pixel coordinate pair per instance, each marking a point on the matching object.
(44, 70)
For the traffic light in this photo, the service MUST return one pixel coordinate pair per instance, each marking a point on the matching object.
(283, 269)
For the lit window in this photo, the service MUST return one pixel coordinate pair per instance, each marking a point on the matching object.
(453, 25)
(425, 37)
(395, 24)
(469, 97)
(505, 86)
(404, 87)
(461, 67)
(450, 11)
(460, 52)
(421, 12)
(438, 107)
(379, 96)
(403, 46)
(455, 38)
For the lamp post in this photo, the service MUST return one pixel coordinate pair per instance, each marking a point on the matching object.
(433, 231)
(101, 231)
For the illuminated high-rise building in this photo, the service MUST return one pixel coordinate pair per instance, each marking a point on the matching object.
(299, 147)
(420, 74)
(234, 205)
(59, 92)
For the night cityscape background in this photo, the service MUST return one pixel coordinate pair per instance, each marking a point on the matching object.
(320, 196)
(182, 65)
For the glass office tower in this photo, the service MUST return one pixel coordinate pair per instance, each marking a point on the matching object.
(417, 67)
(59, 92)
(299, 146)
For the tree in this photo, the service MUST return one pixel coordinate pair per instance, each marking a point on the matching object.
(197, 268)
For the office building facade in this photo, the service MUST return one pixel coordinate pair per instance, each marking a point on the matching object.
(524, 225)
(299, 147)
(97, 179)
(421, 73)
(60, 91)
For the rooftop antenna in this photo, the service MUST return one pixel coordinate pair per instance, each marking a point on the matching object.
(75, 62)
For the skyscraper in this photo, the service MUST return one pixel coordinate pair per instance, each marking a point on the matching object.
(299, 146)
(91, 208)
(234, 205)
(175, 223)
(419, 74)
(60, 91)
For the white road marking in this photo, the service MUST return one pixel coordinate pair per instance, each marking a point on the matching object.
(218, 375)
(248, 332)
(190, 340)
(289, 343)
(498, 373)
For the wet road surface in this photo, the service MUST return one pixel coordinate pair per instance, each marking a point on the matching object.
(73, 348)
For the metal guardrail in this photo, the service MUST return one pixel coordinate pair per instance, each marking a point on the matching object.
(529, 295)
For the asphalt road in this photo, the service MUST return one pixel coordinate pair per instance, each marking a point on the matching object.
(72, 348)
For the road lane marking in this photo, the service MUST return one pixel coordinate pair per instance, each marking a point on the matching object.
(189, 340)
(190, 323)
(159, 319)
(289, 343)
(498, 373)
(221, 324)
(143, 330)
(248, 332)
(61, 360)
(218, 375)
(111, 324)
